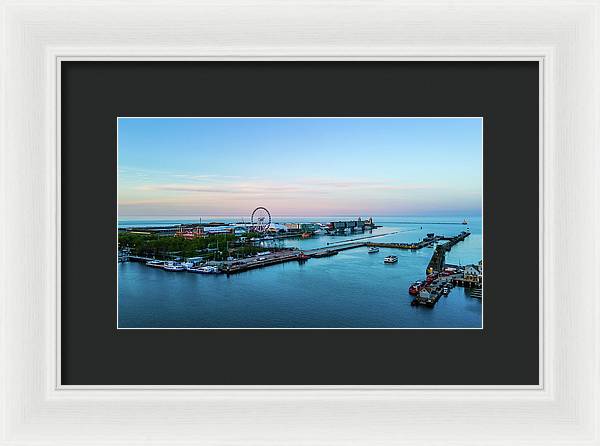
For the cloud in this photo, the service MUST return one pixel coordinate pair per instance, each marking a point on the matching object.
(375, 185)
(164, 174)
(219, 195)
(315, 187)
(235, 188)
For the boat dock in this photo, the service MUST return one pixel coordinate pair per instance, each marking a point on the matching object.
(461, 281)
(430, 295)
(237, 266)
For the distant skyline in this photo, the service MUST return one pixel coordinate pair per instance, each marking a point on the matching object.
(198, 167)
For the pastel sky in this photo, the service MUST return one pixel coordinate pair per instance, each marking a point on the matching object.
(173, 167)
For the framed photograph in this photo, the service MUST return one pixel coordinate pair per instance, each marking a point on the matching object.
(307, 177)
(318, 224)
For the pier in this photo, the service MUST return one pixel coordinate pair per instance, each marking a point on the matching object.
(461, 281)
(426, 242)
(275, 258)
(413, 246)
(430, 294)
(362, 238)
(434, 291)
(438, 259)
(436, 279)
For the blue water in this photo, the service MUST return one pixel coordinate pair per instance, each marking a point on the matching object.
(351, 290)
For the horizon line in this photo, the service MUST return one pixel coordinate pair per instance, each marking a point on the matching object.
(193, 217)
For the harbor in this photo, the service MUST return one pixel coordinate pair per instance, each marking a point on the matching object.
(268, 258)
(424, 253)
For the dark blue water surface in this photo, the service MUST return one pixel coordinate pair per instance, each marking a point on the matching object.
(351, 290)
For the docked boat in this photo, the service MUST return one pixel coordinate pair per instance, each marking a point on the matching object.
(208, 269)
(373, 249)
(414, 289)
(390, 259)
(173, 266)
(155, 263)
(195, 269)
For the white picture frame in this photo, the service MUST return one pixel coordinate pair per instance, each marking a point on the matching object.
(563, 36)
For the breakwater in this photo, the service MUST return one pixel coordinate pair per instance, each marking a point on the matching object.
(436, 264)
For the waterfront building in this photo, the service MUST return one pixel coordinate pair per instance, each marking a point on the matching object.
(293, 226)
(352, 225)
(190, 233)
(472, 273)
(219, 229)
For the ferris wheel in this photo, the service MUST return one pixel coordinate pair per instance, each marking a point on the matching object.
(260, 220)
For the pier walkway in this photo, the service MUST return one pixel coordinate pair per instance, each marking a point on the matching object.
(362, 238)
(274, 258)
(336, 248)
(438, 259)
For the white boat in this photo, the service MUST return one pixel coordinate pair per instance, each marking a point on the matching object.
(209, 269)
(373, 249)
(390, 259)
(193, 270)
(173, 266)
(155, 263)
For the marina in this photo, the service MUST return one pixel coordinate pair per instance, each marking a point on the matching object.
(315, 253)
(271, 258)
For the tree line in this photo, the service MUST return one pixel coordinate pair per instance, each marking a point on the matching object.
(212, 247)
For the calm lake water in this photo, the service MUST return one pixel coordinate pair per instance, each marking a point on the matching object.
(353, 289)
